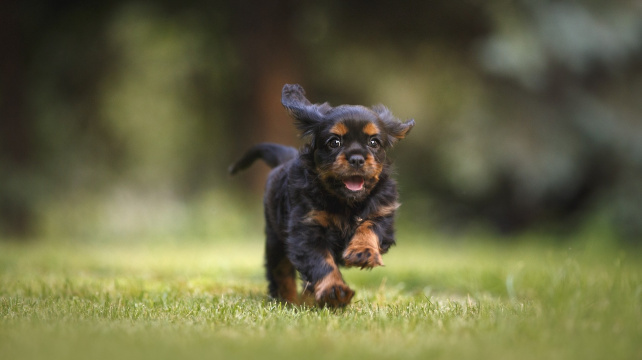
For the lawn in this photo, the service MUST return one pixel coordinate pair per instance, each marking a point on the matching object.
(437, 298)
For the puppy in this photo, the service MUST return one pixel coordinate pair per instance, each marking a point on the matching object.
(331, 204)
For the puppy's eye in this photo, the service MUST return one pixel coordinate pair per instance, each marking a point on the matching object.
(334, 143)
(374, 143)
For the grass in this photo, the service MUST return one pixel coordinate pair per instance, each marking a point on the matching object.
(434, 299)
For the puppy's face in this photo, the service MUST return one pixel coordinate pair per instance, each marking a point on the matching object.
(349, 142)
(349, 156)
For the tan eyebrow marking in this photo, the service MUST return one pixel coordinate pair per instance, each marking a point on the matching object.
(371, 129)
(339, 129)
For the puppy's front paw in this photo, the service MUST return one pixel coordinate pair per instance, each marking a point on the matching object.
(334, 295)
(362, 256)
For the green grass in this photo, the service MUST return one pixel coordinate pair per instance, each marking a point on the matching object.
(434, 299)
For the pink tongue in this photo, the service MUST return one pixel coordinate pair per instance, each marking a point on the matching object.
(354, 183)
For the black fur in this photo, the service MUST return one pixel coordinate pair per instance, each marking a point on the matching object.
(272, 154)
(315, 222)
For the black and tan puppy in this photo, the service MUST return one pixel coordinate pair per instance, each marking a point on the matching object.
(332, 203)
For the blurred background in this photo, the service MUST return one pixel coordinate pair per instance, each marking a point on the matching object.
(119, 118)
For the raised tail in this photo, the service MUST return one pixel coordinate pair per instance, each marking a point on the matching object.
(273, 155)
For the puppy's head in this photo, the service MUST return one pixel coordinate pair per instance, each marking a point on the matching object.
(348, 142)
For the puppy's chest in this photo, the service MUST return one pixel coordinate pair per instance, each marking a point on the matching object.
(341, 226)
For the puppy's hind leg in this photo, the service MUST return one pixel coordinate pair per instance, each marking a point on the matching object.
(281, 274)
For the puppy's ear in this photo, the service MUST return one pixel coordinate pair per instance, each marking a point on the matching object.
(396, 129)
(308, 117)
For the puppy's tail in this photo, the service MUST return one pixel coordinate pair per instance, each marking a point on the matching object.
(273, 155)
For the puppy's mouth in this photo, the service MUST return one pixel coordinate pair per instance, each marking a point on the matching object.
(354, 183)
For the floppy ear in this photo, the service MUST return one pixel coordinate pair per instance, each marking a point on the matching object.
(307, 116)
(396, 129)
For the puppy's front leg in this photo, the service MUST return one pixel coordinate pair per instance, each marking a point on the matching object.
(321, 273)
(364, 250)
(331, 290)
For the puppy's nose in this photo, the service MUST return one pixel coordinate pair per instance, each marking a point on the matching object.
(357, 161)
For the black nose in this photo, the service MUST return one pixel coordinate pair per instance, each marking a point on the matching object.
(356, 161)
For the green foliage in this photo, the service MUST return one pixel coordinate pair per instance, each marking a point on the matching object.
(437, 299)
(527, 111)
